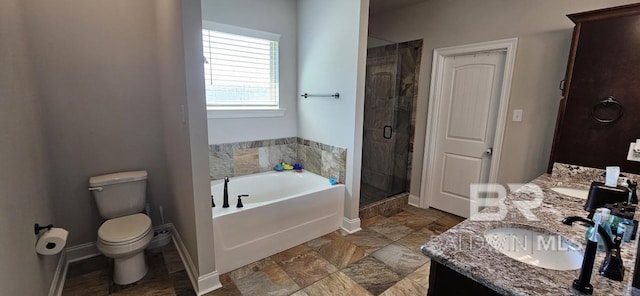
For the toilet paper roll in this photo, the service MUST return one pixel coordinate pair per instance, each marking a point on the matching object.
(52, 241)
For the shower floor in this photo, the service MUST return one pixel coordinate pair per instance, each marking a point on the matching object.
(370, 194)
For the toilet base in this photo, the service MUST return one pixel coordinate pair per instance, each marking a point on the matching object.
(128, 270)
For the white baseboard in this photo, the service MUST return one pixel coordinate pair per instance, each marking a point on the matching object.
(414, 200)
(81, 252)
(57, 283)
(351, 225)
(201, 284)
(208, 283)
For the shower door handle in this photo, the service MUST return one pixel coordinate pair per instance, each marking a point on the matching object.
(387, 131)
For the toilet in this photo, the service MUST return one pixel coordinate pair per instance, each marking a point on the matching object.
(125, 234)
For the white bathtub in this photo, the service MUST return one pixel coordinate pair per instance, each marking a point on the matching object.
(284, 209)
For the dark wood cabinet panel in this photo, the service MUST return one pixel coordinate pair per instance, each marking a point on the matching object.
(604, 62)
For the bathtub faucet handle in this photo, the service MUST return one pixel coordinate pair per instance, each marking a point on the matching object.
(239, 204)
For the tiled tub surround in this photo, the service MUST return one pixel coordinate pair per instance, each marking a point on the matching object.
(244, 158)
(463, 248)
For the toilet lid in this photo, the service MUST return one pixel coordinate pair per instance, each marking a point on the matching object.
(124, 229)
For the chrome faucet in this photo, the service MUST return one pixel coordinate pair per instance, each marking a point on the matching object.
(612, 267)
(225, 197)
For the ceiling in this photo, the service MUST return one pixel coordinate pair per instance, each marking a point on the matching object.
(378, 6)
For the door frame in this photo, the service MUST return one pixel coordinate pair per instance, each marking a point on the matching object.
(435, 90)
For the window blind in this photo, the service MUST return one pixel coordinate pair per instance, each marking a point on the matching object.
(240, 71)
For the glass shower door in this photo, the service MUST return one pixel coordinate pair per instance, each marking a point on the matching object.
(383, 174)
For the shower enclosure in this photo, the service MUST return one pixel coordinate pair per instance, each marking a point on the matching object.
(389, 115)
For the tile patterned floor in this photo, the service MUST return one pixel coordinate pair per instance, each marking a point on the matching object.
(382, 259)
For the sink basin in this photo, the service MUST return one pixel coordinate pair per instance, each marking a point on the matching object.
(578, 193)
(551, 251)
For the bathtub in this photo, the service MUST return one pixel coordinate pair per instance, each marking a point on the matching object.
(283, 209)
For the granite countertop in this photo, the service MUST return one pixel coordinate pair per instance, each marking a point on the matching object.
(464, 249)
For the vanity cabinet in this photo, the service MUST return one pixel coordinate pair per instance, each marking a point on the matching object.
(599, 115)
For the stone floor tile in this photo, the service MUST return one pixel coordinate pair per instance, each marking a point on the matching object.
(421, 275)
(92, 283)
(336, 284)
(366, 222)
(250, 268)
(417, 238)
(391, 229)
(88, 265)
(372, 275)
(430, 213)
(271, 280)
(340, 252)
(290, 253)
(405, 287)
(172, 258)
(400, 259)
(411, 220)
(305, 269)
(368, 240)
(449, 220)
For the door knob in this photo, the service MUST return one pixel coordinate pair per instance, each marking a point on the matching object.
(489, 151)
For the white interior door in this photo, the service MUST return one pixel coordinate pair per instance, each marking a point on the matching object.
(465, 128)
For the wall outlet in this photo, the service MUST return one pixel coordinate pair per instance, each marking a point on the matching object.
(517, 115)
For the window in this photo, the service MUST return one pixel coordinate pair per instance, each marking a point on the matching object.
(241, 68)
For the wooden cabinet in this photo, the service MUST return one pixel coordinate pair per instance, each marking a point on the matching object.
(604, 65)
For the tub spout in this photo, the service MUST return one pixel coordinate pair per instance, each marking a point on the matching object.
(225, 198)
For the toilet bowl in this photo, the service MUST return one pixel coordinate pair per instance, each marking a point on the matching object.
(124, 239)
(125, 234)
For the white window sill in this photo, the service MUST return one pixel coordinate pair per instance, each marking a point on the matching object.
(255, 113)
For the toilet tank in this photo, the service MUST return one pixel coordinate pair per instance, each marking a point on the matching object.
(119, 194)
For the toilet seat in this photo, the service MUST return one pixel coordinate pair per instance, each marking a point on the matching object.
(124, 230)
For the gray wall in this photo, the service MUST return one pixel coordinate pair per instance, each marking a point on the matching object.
(275, 16)
(332, 38)
(544, 36)
(25, 194)
(97, 83)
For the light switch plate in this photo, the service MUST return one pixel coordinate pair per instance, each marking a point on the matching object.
(517, 115)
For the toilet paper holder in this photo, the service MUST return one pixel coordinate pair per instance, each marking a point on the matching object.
(37, 228)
